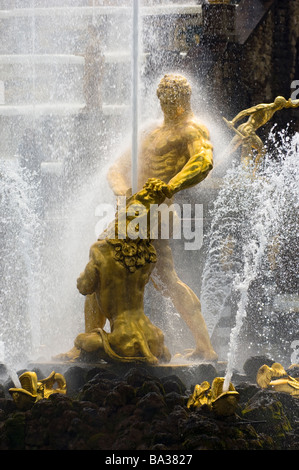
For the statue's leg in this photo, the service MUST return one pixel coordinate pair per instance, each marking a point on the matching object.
(184, 300)
(235, 143)
(89, 342)
(261, 151)
(246, 155)
(94, 317)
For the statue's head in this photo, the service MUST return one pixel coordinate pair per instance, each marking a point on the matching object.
(280, 101)
(174, 93)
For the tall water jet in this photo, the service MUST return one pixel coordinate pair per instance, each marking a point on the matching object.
(135, 93)
(21, 243)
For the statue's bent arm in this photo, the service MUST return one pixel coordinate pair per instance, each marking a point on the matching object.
(89, 279)
(197, 168)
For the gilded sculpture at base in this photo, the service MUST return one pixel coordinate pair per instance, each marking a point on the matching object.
(246, 135)
(213, 397)
(33, 390)
(276, 378)
(173, 156)
(116, 274)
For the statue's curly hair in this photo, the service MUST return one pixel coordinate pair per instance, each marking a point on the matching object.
(173, 87)
(133, 254)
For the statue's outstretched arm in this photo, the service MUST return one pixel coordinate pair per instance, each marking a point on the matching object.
(197, 168)
(243, 114)
(248, 112)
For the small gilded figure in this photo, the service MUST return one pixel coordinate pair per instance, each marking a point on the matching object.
(246, 135)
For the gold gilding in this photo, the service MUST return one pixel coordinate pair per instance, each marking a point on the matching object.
(276, 378)
(33, 390)
(213, 397)
(246, 136)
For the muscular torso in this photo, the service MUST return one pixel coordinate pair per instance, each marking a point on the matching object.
(260, 117)
(163, 153)
(180, 153)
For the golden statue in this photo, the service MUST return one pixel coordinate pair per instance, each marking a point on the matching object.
(179, 153)
(174, 156)
(276, 378)
(223, 403)
(246, 135)
(33, 390)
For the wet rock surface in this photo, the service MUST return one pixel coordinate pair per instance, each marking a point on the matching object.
(138, 411)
